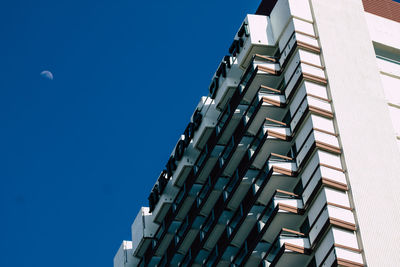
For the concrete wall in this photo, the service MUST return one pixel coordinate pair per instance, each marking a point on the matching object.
(371, 156)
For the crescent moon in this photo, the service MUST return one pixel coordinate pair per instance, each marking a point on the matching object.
(47, 74)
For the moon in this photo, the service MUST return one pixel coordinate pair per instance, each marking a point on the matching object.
(47, 75)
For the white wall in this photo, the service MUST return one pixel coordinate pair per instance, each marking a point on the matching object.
(364, 125)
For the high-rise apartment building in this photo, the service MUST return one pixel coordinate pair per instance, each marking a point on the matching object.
(293, 159)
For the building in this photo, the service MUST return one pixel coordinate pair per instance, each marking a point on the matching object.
(293, 159)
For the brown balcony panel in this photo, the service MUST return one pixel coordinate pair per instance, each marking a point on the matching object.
(273, 102)
(269, 88)
(283, 171)
(267, 70)
(334, 184)
(342, 224)
(328, 147)
(315, 78)
(283, 137)
(347, 263)
(321, 112)
(309, 47)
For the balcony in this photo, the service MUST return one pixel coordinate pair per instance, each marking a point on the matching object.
(339, 247)
(323, 169)
(226, 79)
(290, 248)
(262, 71)
(185, 165)
(208, 123)
(330, 207)
(253, 37)
(289, 210)
(143, 231)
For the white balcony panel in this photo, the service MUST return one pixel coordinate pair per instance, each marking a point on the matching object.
(337, 197)
(345, 238)
(312, 70)
(341, 214)
(185, 165)
(230, 128)
(210, 115)
(330, 159)
(257, 42)
(349, 255)
(315, 102)
(143, 230)
(165, 201)
(280, 16)
(227, 86)
(310, 57)
(322, 123)
(316, 89)
(326, 138)
(303, 26)
(307, 39)
(333, 174)
(321, 172)
(203, 133)
(301, 9)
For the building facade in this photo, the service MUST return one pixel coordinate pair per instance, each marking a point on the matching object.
(293, 159)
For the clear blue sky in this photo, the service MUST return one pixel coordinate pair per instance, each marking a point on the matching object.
(79, 154)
